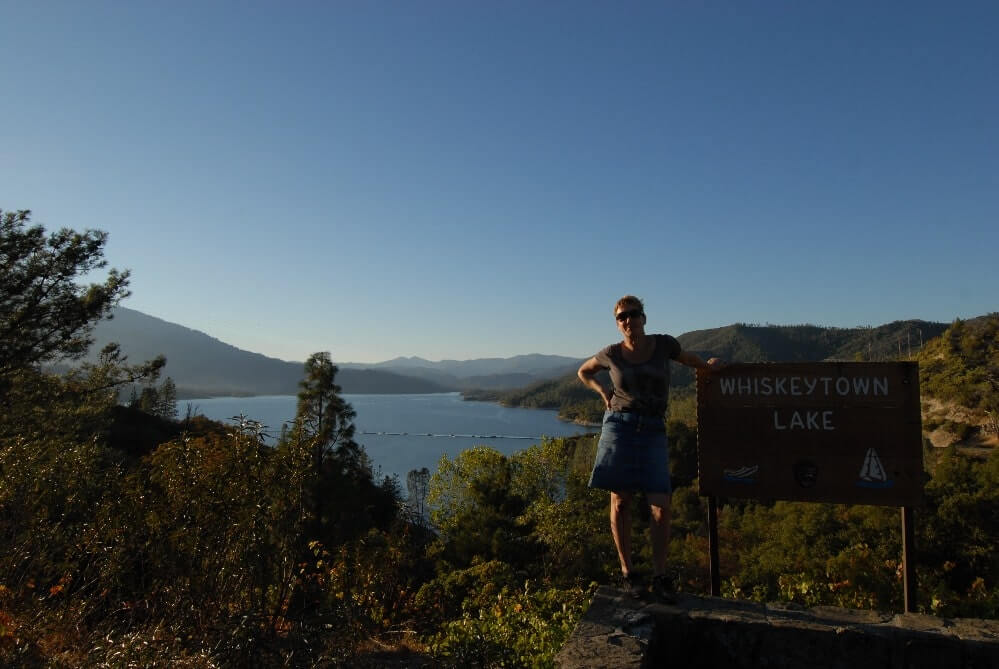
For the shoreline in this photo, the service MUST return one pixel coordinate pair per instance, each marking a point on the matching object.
(499, 401)
(573, 421)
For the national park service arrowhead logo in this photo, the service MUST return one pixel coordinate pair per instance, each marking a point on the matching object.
(806, 473)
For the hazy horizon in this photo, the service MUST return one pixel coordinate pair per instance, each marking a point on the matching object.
(532, 353)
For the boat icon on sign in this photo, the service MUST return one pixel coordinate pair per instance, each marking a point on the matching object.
(742, 474)
(872, 472)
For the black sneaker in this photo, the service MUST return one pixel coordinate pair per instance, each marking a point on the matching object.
(663, 589)
(631, 584)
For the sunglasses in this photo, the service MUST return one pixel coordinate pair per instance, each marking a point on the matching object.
(625, 315)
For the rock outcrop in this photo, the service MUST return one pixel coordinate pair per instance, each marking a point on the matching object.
(707, 632)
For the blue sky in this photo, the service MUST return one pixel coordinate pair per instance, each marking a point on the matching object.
(476, 179)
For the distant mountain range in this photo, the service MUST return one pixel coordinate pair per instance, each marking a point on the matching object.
(741, 342)
(203, 366)
(484, 373)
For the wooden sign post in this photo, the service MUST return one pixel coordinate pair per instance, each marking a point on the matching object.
(838, 432)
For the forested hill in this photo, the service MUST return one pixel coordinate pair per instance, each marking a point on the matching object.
(743, 342)
(793, 343)
(959, 382)
(963, 364)
(802, 343)
(201, 365)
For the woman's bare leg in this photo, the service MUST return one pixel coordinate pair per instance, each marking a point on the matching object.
(659, 525)
(620, 521)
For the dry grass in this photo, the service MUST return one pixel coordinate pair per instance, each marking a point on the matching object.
(402, 650)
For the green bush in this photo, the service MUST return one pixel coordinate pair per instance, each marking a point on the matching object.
(519, 628)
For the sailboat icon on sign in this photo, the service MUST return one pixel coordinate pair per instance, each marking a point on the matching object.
(872, 473)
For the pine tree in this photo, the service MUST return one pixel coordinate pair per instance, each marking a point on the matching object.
(45, 314)
(322, 416)
(48, 315)
(167, 404)
(417, 483)
(344, 498)
(149, 400)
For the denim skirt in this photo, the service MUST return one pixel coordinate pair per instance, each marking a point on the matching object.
(632, 454)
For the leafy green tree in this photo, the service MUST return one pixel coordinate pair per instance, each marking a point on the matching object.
(959, 535)
(518, 554)
(813, 554)
(531, 511)
(476, 510)
(563, 514)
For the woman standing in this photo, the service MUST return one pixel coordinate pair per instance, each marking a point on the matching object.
(632, 454)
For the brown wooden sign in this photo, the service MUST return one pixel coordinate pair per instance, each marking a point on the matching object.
(845, 432)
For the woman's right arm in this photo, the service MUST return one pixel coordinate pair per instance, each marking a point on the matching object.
(587, 374)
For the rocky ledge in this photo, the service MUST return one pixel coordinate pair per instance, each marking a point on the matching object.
(708, 632)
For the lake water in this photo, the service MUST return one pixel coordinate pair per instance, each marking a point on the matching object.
(405, 432)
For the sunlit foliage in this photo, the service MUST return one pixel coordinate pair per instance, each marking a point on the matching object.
(961, 368)
(128, 538)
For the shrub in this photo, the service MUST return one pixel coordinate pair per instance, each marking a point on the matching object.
(520, 628)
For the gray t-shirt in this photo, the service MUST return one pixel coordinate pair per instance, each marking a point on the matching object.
(641, 387)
